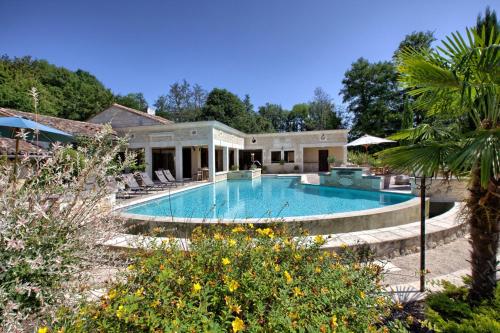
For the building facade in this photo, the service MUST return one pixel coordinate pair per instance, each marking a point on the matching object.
(185, 148)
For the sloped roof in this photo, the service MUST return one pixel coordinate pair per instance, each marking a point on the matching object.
(8, 147)
(144, 114)
(74, 127)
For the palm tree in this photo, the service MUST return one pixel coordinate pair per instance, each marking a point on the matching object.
(458, 84)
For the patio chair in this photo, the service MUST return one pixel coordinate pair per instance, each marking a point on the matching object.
(132, 184)
(199, 175)
(171, 178)
(146, 181)
(163, 179)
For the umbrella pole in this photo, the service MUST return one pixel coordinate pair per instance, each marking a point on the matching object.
(16, 158)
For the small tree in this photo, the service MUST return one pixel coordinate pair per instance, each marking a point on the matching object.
(52, 222)
(460, 85)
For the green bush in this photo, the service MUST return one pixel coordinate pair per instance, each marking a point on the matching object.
(361, 158)
(241, 279)
(449, 311)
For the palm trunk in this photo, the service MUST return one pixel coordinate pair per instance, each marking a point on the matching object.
(484, 221)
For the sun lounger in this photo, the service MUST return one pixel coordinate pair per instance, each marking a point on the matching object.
(163, 179)
(146, 181)
(169, 176)
(132, 184)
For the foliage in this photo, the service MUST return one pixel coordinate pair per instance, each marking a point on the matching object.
(373, 97)
(417, 40)
(331, 159)
(239, 279)
(458, 85)
(51, 221)
(322, 112)
(362, 158)
(449, 311)
(76, 95)
(133, 100)
(183, 102)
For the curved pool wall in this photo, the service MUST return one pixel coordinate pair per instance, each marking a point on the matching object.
(317, 224)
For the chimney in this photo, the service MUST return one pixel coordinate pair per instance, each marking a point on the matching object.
(151, 111)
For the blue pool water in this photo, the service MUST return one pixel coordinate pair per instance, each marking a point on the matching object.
(264, 197)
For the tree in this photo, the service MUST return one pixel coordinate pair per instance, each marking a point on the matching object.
(276, 115)
(225, 107)
(75, 95)
(182, 103)
(373, 97)
(133, 100)
(298, 117)
(322, 113)
(460, 81)
(417, 40)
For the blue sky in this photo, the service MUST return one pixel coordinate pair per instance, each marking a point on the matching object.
(277, 51)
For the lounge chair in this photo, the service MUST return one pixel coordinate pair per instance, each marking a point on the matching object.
(163, 179)
(146, 181)
(132, 184)
(171, 178)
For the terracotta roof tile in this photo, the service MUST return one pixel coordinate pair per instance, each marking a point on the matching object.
(8, 147)
(74, 127)
(144, 114)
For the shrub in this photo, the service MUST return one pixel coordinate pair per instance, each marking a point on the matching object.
(243, 279)
(234, 168)
(449, 311)
(361, 158)
(51, 221)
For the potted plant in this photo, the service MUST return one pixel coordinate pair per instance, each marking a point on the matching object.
(282, 163)
(331, 161)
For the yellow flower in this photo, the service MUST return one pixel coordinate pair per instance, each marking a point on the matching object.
(43, 329)
(317, 270)
(277, 268)
(232, 242)
(155, 303)
(196, 287)
(293, 315)
(235, 308)
(238, 325)
(250, 225)
(318, 239)
(218, 236)
(362, 295)
(277, 247)
(139, 292)
(288, 277)
(130, 267)
(238, 229)
(119, 312)
(297, 292)
(233, 285)
(111, 294)
(265, 232)
(226, 261)
(333, 323)
(297, 256)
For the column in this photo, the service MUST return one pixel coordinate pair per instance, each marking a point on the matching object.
(225, 158)
(148, 159)
(178, 162)
(198, 157)
(237, 157)
(211, 157)
(344, 155)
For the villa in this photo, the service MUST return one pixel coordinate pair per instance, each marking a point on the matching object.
(185, 148)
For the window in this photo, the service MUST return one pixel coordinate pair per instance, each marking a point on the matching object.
(275, 156)
(289, 156)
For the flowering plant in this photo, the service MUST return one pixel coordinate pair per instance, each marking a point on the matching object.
(235, 279)
(53, 216)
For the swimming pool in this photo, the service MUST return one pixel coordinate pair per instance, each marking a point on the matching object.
(264, 197)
